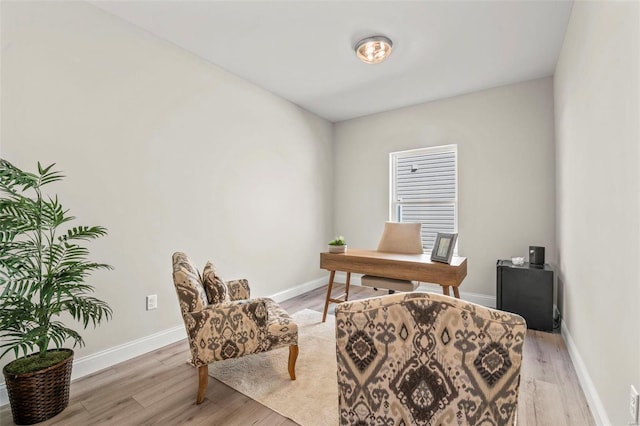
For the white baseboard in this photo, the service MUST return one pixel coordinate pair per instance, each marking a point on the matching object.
(299, 289)
(100, 360)
(480, 299)
(117, 354)
(589, 389)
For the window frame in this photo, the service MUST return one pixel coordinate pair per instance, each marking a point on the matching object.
(394, 204)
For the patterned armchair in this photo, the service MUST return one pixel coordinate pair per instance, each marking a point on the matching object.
(222, 322)
(427, 359)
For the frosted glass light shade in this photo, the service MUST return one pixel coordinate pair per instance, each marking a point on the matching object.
(373, 50)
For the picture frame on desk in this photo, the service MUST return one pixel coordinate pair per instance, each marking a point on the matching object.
(443, 248)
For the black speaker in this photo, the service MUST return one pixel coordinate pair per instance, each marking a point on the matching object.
(536, 255)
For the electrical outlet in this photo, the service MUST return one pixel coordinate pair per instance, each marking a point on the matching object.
(152, 302)
(633, 405)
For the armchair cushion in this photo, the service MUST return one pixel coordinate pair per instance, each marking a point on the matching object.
(238, 289)
(191, 293)
(238, 328)
(214, 286)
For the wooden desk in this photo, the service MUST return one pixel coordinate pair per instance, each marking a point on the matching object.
(416, 267)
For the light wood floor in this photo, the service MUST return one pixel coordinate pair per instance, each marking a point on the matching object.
(159, 388)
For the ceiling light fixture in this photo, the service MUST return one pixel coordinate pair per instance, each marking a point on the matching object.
(373, 50)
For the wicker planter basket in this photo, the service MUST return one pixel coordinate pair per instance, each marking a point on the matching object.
(38, 396)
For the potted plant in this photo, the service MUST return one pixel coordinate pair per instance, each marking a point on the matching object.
(43, 268)
(338, 245)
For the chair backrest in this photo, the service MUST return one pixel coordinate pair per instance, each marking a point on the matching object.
(188, 283)
(401, 237)
(427, 359)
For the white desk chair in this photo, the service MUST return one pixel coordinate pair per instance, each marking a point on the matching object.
(401, 238)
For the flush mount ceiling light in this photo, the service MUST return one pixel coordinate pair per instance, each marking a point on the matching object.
(373, 50)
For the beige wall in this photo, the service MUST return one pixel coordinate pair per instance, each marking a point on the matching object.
(598, 197)
(505, 172)
(169, 153)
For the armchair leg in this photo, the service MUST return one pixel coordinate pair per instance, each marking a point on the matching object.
(293, 356)
(203, 380)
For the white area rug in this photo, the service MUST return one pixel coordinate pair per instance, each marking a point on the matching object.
(311, 399)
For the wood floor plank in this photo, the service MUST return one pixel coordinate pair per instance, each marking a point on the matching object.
(177, 410)
(572, 397)
(162, 389)
(88, 384)
(540, 404)
(74, 414)
(116, 413)
(537, 356)
(173, 354)
(126, 384)
(159, 388)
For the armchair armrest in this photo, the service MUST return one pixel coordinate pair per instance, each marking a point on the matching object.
(238, 289)
(227, 330)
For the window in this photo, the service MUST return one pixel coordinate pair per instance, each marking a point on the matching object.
(424, 189)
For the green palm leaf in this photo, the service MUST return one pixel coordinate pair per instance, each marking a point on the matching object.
(43, 268)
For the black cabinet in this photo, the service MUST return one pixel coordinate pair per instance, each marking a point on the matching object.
(526, 290)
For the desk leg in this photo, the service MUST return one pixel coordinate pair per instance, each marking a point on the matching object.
(445, 290)
(326, 303)
(456, 293)
(346, 295)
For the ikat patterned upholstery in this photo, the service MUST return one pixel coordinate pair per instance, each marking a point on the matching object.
(238, 289)
(214, 286)
(229, 329)
(186, 278)
(427, 359)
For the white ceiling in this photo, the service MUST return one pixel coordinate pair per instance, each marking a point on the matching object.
(303, 50)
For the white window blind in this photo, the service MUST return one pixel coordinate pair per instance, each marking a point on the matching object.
(424, 189)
